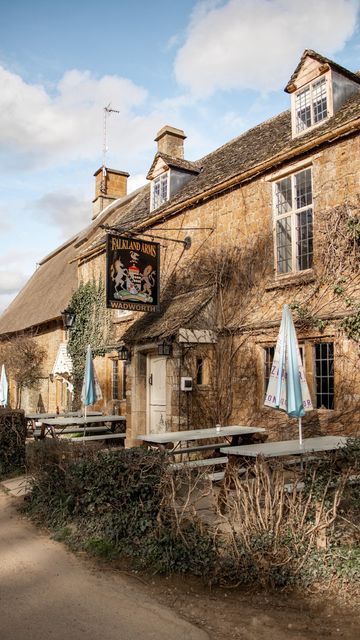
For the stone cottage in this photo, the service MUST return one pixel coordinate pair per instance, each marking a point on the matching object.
(271, 217)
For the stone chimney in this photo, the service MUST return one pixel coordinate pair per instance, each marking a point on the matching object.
(171, 141)
(109, 186)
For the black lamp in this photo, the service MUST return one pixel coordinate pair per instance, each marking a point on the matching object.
(124, 353)
(68, 318)
(164, 348)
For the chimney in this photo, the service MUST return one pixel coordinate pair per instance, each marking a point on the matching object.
(171, 141)
(109, 186)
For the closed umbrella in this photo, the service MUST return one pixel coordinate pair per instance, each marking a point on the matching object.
(287, 389)
(91, 391)
(4, 387)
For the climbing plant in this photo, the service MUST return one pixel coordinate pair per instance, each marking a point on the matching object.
(92, 326)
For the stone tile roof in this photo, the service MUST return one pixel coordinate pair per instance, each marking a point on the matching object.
(180, 311)
(323, 60)
(258, 145)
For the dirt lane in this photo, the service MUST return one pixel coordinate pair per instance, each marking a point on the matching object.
(46, 593)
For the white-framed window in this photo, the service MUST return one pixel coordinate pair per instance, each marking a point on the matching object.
(293, 222)
(311, 105)
(159, 190)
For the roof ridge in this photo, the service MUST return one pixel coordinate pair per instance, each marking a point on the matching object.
(242, 135)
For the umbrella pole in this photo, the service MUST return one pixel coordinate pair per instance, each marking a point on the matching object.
(85, 409)
(300, 433)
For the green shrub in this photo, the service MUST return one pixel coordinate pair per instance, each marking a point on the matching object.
(12, 441)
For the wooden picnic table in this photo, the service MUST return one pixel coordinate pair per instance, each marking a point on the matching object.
(56, 427)
(164, 439)
(287, 447)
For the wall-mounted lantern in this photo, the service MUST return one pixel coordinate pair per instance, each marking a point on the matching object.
(124, 353)
(164, 348)
(68, 318)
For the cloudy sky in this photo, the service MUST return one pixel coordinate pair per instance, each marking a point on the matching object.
(211, 67)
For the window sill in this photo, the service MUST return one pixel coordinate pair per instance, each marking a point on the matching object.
(292, 280)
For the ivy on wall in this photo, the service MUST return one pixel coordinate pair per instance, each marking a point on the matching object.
(92, 326)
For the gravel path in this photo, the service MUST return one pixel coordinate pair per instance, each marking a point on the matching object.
(47, 593)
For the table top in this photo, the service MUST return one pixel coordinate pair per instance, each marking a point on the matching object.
(66, 422)
(40, 416)
(197, 434)
(287, 447)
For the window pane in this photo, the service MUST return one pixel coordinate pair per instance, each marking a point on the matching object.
(199, 371)
(303, 110)
(269, 356)
(283, 196)
(164, 188)
(115, 380)
(303, 190)
(283, 244)
(304, 239)
(324, 375)
(319, 100)
(124, 381)
(156, 193)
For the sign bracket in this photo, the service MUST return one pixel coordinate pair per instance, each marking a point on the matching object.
(186, 242)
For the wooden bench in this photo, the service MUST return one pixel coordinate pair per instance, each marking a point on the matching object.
(195, 464)
(105, 436)
(217, 476)
(202, 447)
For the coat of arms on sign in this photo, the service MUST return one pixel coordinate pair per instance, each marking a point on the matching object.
(132, 273)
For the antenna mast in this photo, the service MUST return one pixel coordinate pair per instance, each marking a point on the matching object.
(107, 111)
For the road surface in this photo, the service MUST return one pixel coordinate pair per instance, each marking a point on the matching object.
(47, 593)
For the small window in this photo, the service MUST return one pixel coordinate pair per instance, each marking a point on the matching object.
(115, 380)
(159, 190)
(311, 105)
(324, 375)
(293, 210)
(124, 381)
(269, 353)
(199, 371)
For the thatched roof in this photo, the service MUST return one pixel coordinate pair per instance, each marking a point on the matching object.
(323, 60)
(185, 310)
(51, 286)
(45, 295)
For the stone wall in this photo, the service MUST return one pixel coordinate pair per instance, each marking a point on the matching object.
(242, 218)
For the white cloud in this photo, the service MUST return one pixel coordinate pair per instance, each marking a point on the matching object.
(67, 211)
(136, 181)
(11, 281)
(255, 44)
(37, 126)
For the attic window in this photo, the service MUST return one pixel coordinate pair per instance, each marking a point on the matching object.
(159, 190)
(311, 105)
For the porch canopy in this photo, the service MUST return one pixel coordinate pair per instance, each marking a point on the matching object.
(190, 310)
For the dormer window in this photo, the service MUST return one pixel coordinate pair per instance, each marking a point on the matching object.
(159, 190)
(311, 105)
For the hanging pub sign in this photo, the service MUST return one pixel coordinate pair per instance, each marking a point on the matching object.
(132, 274)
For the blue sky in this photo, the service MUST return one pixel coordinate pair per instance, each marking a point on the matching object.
(213, 68)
